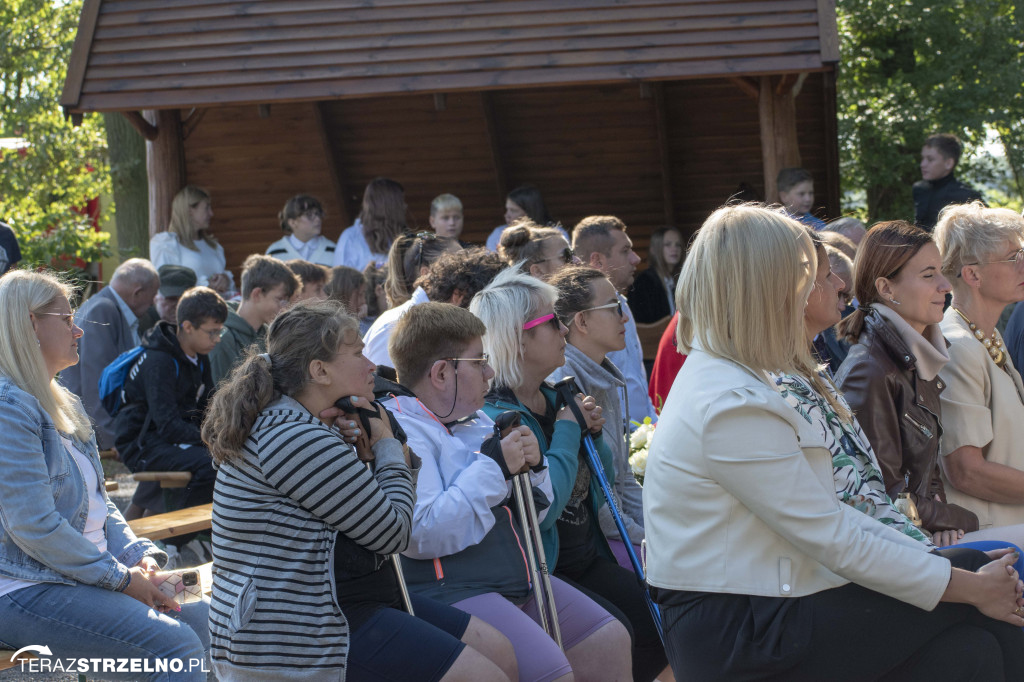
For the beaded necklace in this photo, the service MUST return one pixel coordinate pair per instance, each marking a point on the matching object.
(992, 344)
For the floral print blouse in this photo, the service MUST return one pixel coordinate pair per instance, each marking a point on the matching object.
(855, 470)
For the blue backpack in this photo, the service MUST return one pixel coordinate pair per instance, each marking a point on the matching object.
(114, 375)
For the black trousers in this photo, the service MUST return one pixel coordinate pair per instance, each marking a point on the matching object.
(846, 633)
(617, 590)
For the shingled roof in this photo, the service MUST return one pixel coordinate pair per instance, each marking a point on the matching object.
(154, 54)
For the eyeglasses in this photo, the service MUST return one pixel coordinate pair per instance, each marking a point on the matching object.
(1016, 259)
(313, 213)
(617, 305)
(214, 334)
(484, 360)
(537, 321)
(69, 318)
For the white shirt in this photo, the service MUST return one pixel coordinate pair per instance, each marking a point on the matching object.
(353, 251)
(376, 339)
(630, 361)
(208, 261)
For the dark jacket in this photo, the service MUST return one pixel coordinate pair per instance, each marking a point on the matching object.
(165, 396)
(931, 196)
(899, 411)
(648, 297)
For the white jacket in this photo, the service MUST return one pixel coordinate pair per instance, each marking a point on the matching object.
(457, 485)
(739, 498)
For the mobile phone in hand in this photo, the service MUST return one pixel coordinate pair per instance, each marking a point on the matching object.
(184, 585)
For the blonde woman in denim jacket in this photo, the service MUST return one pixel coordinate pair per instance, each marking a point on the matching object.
(73, 576)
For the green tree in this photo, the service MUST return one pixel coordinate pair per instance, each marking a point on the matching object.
(45, 183)
(911, 68)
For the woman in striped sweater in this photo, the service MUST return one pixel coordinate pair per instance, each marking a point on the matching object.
(303, 586)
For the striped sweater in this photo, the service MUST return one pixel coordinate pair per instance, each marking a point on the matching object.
(277, 513)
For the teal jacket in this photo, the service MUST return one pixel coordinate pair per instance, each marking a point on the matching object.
(563, 459)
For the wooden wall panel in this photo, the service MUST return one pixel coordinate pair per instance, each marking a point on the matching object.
(251, 166)
(590, 150)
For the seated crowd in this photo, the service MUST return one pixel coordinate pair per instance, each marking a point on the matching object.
(835, 488)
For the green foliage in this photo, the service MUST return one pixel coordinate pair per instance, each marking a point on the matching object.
(62, 166)
(911, 68)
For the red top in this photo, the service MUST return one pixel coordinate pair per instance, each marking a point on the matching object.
(666, 365)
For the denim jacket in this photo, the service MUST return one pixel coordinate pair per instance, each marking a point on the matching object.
(44, 504)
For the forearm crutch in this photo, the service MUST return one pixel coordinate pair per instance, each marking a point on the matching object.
(522, 489)
(396, 563)
(567, 390)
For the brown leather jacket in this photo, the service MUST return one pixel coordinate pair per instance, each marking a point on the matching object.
(899, 411)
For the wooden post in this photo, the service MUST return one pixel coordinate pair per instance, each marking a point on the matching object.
(664, 157)
(779, 149)
(165, 166)
(500, 179)
(334, 168)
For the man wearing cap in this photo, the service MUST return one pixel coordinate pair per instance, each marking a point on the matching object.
(174, 281)
(110, 319)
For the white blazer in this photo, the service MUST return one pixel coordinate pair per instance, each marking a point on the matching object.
(739, 499)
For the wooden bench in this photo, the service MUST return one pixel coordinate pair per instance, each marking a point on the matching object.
(170, 524)
(166, 479)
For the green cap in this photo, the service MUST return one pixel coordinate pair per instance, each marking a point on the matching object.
(176, 280)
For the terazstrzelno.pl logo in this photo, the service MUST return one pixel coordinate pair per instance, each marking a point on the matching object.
(31, 659)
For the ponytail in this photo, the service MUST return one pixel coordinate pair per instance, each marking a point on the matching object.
(236, 404)
(851, 327)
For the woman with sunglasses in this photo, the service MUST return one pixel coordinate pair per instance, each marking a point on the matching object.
(526, 343)
(72, 574)
(301, 221)
(410, 258)
(543, 251)
(588, 306)
(467, 543)
(983, 401)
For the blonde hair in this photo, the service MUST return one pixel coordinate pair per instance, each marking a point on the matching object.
(23, 292)
(743, 290)
(968, 234)
(444, 202)
(504, 306)
(181, 225)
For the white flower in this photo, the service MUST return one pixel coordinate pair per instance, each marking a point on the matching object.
(641, 438)
(638, 463)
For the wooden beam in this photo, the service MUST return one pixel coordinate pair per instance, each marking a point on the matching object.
(263, 110)
(785, 83)
(165, 166)
(494, 142)
(440, 101)
(747, 85)
(831, 147)
(664, 155)
(191, 122)
(828, 32)
(80, 54)
(139, 122)
(333, 165)
(779, 149)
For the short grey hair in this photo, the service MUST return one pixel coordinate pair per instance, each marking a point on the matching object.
(137, 272)
(968, 234)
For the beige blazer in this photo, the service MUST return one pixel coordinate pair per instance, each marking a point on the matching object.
(739, 498)
(982, 406)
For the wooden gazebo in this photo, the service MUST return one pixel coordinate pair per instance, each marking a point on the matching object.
(652, 110)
